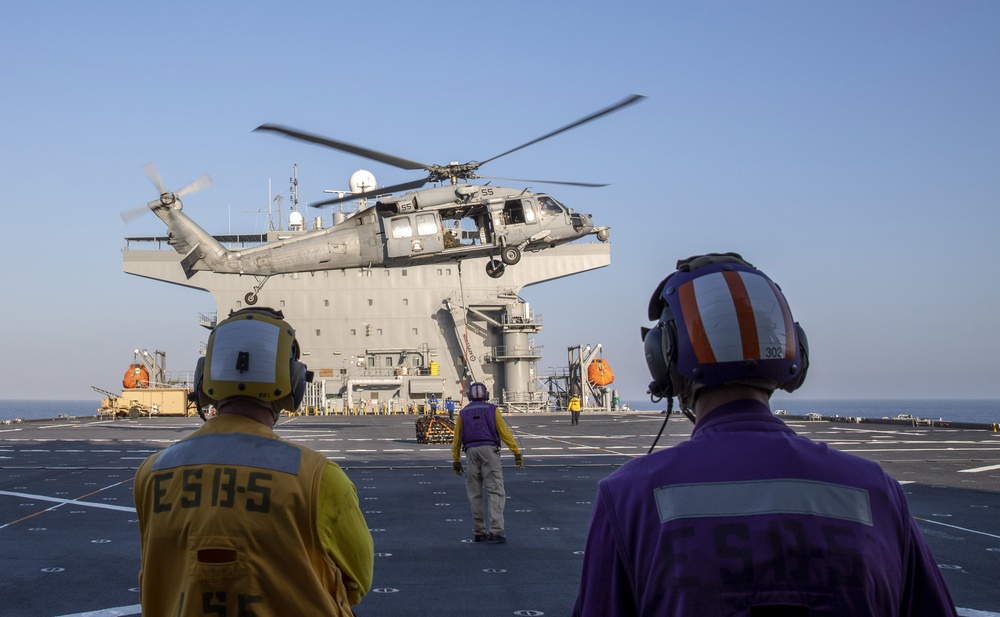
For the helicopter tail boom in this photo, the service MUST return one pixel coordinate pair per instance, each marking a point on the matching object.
(200, 250)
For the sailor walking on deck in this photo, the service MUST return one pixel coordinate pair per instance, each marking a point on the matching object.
(574, 409)
(479, 430)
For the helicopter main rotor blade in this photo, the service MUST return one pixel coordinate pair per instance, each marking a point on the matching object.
(635, 98)
(367, 153)
(413, 184)
(586, 184)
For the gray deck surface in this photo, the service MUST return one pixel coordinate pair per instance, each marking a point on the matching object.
(69, 538)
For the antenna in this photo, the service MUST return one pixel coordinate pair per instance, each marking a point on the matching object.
(293, 188)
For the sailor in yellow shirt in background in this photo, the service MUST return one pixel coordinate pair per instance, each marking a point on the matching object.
(574, 409)
(235, 520)
(479, 430)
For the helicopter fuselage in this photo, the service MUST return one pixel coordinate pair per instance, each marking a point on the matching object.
(436, 224)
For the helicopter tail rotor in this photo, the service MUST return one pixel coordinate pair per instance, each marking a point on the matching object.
(166, 197)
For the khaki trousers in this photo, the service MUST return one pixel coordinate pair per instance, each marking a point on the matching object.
(484, 471)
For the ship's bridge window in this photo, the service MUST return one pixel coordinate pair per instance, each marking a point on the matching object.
(426, 225)
(401, 228)
(550, 207)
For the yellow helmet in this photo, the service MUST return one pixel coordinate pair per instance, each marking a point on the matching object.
(253, 353)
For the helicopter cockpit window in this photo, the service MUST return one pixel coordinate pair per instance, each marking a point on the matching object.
(401, 228)
(426, 225)
(550, 207)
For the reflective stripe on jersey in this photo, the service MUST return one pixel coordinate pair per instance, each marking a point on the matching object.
(231, 449)
(732, 316)
(763, 497)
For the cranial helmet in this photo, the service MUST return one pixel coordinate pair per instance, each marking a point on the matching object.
(721, 322)
(254, 354)
(478, 392)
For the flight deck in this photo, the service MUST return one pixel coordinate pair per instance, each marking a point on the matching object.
(69, 536)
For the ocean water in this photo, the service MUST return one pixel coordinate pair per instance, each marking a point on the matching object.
(955, 410)
(11, 409)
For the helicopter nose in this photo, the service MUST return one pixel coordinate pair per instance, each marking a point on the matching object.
(581, 222)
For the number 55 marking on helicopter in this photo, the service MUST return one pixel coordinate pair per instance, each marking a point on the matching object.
(453, 221)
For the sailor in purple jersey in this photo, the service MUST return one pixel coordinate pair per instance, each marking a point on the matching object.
(479, 430)
(747, 518)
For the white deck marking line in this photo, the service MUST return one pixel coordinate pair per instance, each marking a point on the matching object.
(118, 611)
(75, 502)
(970, 612)
(978, 469)
(61, 502)
(982, 533)
(572, 444)
(988, 448)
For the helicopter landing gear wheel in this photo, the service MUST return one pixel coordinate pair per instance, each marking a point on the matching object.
(495, 268)
(251, 298)
(510, 255)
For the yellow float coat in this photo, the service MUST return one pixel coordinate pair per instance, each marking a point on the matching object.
(234, 520)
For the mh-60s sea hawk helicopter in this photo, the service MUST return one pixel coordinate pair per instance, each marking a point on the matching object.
(449, 222)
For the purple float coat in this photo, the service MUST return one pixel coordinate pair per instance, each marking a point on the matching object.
(479, 425)
(749, 514)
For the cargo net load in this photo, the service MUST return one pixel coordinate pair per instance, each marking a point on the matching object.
(432, 429)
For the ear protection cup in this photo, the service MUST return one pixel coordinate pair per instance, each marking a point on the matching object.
(299, 376)
(800, 378)
(199, 377)
(658, 346)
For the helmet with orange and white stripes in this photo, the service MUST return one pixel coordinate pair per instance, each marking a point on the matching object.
(721, 322)
(478, 392)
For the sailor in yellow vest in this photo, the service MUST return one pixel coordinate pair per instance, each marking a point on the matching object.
(234, 520)
(574, 409)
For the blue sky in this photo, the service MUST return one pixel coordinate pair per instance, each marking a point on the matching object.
(848, 149)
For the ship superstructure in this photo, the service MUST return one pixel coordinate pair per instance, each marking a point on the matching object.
(389, 339)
